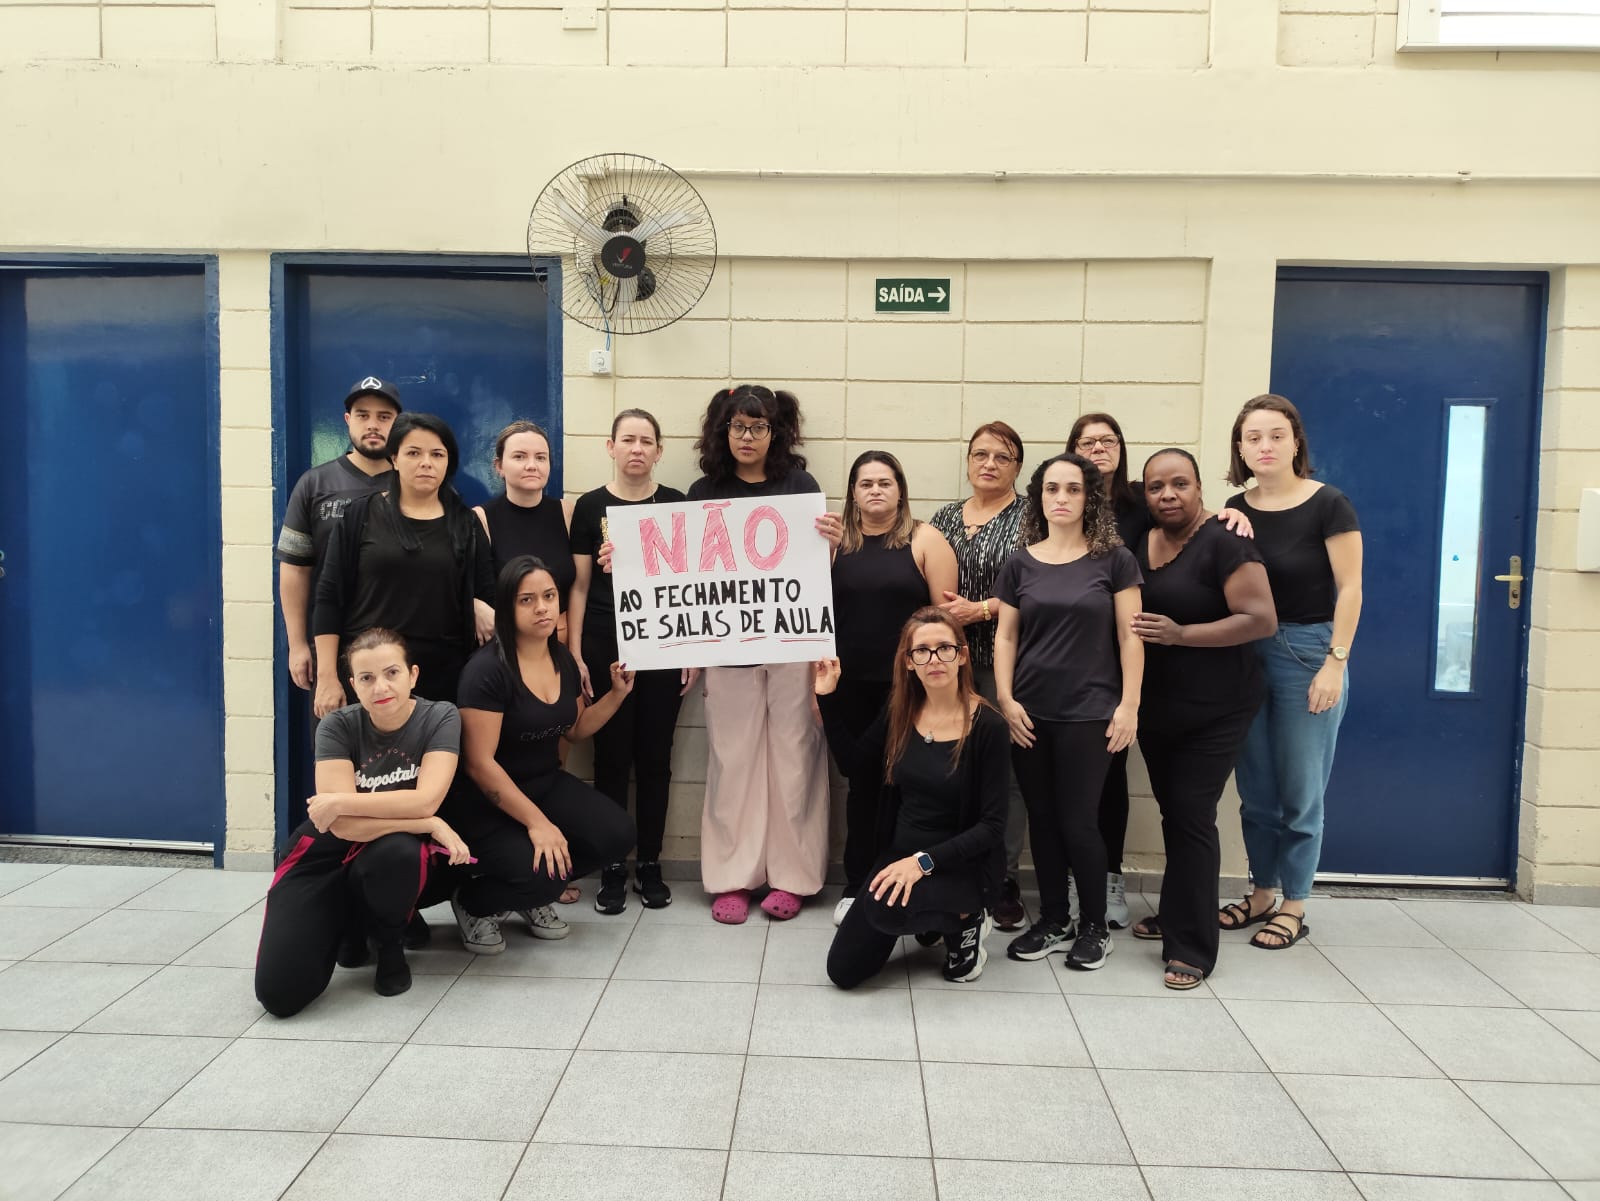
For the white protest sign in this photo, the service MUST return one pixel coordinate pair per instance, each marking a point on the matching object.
(718, 583)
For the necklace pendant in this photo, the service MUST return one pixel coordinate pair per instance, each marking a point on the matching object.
(927, 737)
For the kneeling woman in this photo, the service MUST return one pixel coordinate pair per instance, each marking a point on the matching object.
(1205, 600)
(943, 755)
(359, 863)
(532, 826)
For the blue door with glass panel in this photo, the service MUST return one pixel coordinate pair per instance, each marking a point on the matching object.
(1420, 396)
(475, 344)
(110, 602)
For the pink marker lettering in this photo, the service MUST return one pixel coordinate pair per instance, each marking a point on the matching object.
(752, 527)
(653, 546)
(717, 545)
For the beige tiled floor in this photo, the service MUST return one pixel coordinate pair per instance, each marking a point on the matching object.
(1410, 1050)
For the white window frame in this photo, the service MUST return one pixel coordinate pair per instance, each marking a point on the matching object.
(1424, 24)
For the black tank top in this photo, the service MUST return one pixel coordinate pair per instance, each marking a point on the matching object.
(540, 531)
(874, 591)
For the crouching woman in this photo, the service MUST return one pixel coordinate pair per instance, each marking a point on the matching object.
(943, 755)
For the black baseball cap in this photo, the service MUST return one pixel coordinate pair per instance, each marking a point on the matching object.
(373, 386)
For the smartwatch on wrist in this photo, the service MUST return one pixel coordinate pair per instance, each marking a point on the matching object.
(925, 862)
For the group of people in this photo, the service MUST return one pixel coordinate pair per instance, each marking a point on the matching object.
(994, 666)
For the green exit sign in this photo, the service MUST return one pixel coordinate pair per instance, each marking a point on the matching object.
(913, 296)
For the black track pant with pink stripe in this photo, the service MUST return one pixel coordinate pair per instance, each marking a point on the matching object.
(324, 884)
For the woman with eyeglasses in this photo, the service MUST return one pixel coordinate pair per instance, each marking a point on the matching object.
(1098, 438)
(982, 530)
(1206, 600)
(938, 755)
(887, 567)
(765, 821)
(1068, 668)
(1310, 538)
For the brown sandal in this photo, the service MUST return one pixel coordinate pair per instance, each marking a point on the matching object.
(1147, 928)
(1289, 937)
(1236, 915)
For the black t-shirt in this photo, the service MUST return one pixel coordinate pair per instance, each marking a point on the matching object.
(875, 590)
(589, 534)
(1293, 544)
(539, 530)
(1189, 590)
(795, 483)
(415, 592)
(386, 760)
(930, 795)
(1069, 667)
(315, 506)
(530, 729)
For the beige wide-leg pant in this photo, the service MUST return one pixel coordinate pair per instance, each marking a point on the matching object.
(766, 814)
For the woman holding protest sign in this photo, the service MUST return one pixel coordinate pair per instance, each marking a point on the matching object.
(533, 826)
(887, 567)
(765, 820)
(938, 757)
(639, 735)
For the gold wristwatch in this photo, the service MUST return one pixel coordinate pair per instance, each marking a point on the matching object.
(1340, 653)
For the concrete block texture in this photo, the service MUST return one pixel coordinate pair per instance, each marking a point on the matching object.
(1147, 39)
(1325, 40)
(905, 39)
(904, 351)
(678, 39)
(416, 35)
(789, 290)
(327, 35)
(142, 34)
(529, 35)
(38, 31)
(1044, 352)
(788, 350)
(761, 37)
(1025, 291)
(1130, 353)
(1019, 38)
(1140, 290)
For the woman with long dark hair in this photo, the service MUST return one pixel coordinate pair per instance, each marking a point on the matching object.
(1205, 601)
(888, 566)
(1310, 538)
(638, 738)
(984, 531)
(1068, 667)
(1098, 438)
(409, 559)
(533, 826)
(358, 865)
(765, 820)
(938, 755)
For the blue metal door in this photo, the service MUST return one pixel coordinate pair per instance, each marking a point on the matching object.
(1420, 395)
(110, 606)
(473, 343)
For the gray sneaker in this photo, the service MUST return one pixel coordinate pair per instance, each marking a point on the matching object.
(1116, 901)
(480, 935)
(543, 922)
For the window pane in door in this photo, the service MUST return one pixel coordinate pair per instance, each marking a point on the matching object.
(1460, 547)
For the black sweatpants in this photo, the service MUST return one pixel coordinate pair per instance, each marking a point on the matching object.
(858, 704)
(866, 938)
(597, 833)
(638, 738)
(1061, 776)
(323, 886)
(1114, 810)
(1190, 751)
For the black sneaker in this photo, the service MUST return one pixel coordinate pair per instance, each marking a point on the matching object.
(1008, 911)
(394, 974)
(1039, 940)
(929, 938)
(966, 953)
(651, 888)
(1092, 948)
(354, 950)
(418, 933)
(613, 894)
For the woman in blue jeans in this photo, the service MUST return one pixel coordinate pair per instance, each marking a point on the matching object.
(1308, 535)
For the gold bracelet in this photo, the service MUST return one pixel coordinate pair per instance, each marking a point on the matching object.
(986, 616)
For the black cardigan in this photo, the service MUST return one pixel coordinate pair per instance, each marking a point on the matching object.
(336, 582)
(984, 766)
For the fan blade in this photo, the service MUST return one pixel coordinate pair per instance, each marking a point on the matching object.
(579, 224)
(663, 222)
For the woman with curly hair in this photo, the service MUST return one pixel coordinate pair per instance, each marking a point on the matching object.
(1068, 668)
(765, 820)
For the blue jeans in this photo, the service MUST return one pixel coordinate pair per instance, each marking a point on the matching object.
(1287, 758)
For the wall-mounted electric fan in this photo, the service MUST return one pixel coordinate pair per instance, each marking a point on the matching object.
(635, 239)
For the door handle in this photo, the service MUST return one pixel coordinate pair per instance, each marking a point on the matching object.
(1514, 577)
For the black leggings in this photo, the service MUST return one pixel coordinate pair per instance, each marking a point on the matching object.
(1061, 776)
(638, 738)
(858, 705)
(1190, 755)
(597, 833)
(1114, 810)
(323, 885)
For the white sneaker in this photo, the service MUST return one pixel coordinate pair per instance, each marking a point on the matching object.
(480, 935)
(1116, 901)
(543, 922)
(842, 908)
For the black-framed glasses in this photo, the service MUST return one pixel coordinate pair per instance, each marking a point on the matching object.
(945, 652)
(756, 431)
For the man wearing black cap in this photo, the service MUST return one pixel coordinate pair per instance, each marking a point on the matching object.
(318, 501)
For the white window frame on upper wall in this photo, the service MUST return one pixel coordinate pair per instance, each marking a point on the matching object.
(1499, 25)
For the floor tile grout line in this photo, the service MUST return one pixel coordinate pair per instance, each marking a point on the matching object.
(71, 1184)
(922, 1081)
(326, 1139)
(744, 1064)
